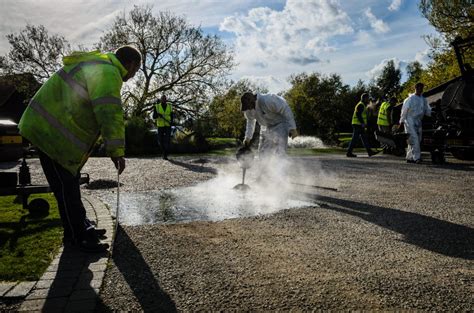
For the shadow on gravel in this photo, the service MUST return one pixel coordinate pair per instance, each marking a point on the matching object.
(194, 168)
(423, 231)
(139, 276)
(465, 167)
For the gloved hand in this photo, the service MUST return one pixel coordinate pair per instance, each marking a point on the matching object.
(293, 133)
(119, 163)
(246, 142)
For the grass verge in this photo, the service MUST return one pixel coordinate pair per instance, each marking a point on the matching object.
(27, 245)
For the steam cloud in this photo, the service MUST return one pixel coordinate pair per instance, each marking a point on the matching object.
(275, 185)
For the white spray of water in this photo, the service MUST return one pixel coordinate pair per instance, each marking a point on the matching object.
(275, 184)
(306, 142)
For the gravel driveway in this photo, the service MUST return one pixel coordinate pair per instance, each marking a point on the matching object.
(395, 236)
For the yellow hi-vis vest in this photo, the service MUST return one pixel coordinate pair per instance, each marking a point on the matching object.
(74, 106)
(355, 120)
(164, 116)
(382, 119)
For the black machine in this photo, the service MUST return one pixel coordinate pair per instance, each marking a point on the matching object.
(451, 127)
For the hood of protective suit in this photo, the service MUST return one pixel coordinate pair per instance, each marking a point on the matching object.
(80, 56)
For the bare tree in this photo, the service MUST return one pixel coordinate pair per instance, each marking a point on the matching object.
(180, 60)
(34, 51)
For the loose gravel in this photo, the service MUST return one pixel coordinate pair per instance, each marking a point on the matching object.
(395, 236)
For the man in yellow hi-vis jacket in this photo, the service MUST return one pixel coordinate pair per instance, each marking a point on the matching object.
(64, 119)
(163, 114)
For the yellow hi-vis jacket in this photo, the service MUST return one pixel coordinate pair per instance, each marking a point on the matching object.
(75, 106)
(382, 119)
(164, 116)
(355, 120)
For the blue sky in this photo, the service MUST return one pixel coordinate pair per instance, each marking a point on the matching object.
(272, 39)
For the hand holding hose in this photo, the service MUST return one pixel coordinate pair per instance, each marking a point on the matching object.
(119, 163)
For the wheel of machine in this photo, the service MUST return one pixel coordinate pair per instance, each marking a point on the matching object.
(437, 157)
(38, 208)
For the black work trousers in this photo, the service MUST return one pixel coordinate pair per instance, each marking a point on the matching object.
(65, 187)
(358, 132)
(164, 138)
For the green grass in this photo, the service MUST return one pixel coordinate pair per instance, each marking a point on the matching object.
(317, 151)
(27, 245)
(214, 141)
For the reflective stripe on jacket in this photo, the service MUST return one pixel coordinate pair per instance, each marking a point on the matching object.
(382, 119)
(75, 106)
(164, 116)
(355, 120)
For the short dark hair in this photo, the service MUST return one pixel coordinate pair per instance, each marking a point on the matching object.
(246, 101)
(128, 54)
(419, 85)
(364, 95)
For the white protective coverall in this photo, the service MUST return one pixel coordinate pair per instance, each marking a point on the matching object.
(413, 109)
(274, 115)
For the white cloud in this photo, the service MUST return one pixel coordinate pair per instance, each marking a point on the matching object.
(423, 56)
(272, 83)
(395, 5)
(363, 38)
(378, 25)
(298, 34)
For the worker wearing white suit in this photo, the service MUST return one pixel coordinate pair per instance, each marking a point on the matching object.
(414, 108)
(275, 118)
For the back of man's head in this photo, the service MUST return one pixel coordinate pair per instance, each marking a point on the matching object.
(364, 97)
(247, 101)
(128, 55)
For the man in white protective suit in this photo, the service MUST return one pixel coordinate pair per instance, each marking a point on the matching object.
(276, 121)
(414, 108)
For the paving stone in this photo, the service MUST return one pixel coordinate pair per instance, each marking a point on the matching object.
(45, 305)
(67, 258)
(56, 283)
(88, 294)
(88, 276)
(88, 284)
(64, 267)
(21, 290)
(54, 292)
(99, 260)
(81, 306)
(94, 267)
(6, 286)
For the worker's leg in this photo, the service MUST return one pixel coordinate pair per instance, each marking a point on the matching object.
(417, 145)
(412, 140)
(365, 141)
(66, 190)
(166, 141)
(355, 136)
(280, 138)
(161, 137)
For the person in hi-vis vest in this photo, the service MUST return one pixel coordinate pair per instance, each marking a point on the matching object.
(75, 106)
(163, 114)
(359, 123)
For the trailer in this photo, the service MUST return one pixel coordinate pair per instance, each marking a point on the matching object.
(451, 126)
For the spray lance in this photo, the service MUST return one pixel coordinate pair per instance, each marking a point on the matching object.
(117, 211)
(244, 156)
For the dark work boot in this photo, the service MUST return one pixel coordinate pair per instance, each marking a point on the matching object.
(372, 152)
